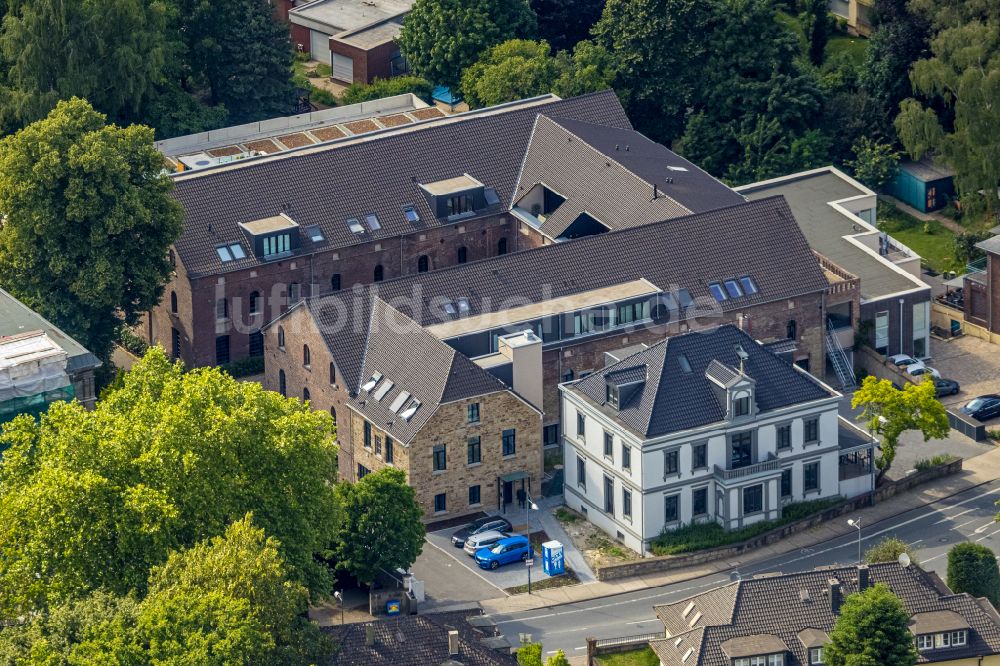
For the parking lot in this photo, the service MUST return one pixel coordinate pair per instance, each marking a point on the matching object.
(509, 575)
(973, 363)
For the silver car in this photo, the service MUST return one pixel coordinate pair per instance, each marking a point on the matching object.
(482, 540)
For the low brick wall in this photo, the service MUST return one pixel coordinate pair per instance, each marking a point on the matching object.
(653, 565)
(876, 365)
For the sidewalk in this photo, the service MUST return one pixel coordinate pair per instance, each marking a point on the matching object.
(976, 471)
(544, 520)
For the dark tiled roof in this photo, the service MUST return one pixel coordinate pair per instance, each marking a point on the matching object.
(357, 176)
(785, 605)
(401, 351)
(675, 399)
(424, 642)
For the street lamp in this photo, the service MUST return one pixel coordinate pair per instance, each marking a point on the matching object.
(856, 523)
(529, 504)
(339, 595)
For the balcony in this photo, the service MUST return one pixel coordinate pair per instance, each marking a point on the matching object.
(768, 466)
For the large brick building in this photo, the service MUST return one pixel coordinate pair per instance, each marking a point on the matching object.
(261, 233)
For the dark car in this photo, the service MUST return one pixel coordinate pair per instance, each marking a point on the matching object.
(480, 525)
(983, 408)
(946, 387)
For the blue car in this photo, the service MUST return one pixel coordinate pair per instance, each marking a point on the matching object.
(505, 551)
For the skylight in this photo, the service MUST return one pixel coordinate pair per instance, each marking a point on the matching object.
(383, 389)
(749, 286)
(449, 307)
(411, 214)
(684, 296)
(370, 384)
(230, 252)
(355, 225)
(733, 289)
(492, 198)
(463, 305)
(314, 233)
(372, 220)
(677, 168)
(410, 410)
(398, 403)
(684, 363)
(717, 292)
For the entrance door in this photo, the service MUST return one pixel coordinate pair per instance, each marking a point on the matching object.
(508, 492)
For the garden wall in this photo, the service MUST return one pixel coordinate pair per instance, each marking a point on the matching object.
(653, 565)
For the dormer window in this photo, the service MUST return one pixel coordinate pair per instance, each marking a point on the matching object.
(741, 406)
(455, 197)
(273, 237)
(612, 395)
(459, 204)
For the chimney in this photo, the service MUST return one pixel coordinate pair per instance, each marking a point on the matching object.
(835, 597)
(524, 350)
(369, 635)
(656, 192)
(863, 582)
(452, 643)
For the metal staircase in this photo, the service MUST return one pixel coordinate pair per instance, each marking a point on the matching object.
(838, 359)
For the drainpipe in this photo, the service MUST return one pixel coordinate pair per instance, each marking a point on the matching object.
(901, 301)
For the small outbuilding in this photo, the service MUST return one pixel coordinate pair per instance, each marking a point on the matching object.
(924, 185)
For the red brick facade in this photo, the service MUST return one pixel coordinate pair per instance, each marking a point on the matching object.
(368, 64)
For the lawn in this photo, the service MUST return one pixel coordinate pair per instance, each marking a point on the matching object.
(643, 657)
(928, 239)
(853, 47)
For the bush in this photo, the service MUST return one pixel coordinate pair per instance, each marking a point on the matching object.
(252, 365)
(322, 96)
(379, 88)
(941, 459)
(889, 550)
(529, 654)
(701, 536)
(972, 568)
(131, 342)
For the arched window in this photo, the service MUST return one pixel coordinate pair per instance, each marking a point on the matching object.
(422, 264)
(173, 302)
(281, 338)
(281, 382)
(792, 330)
(333, 413)
(306, 357)
(335, 282)
(463, 255)
(378, 273)
(254, 302)
(305, 395)
(333, 374)
(502, 246)
(221, 309)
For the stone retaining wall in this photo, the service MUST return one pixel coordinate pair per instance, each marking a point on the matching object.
(654, 565)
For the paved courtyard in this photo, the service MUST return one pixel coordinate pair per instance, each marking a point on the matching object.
(973, 363)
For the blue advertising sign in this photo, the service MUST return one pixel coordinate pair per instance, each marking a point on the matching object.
(552, 558)
(392, 607)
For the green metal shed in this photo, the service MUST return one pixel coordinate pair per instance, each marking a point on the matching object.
(924, 185)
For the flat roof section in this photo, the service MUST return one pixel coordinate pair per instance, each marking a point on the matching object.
(341, 15)
(267, 225)
(827, 229)
(451, 185)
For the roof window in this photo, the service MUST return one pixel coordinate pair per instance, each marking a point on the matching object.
(492, 198)
(410, 410)
(230, 252)
(371, 383)
(314, 233)
(398, 403)
(685, 364)
(383, 389)
(372, 220)
(463, 306)
(355, 225)
(449, 307)
(676, 168)
(733, 289)
(684, 298)
(716, 289)
(749, 286)
(411, 214)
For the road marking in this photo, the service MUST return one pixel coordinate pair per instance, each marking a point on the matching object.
(582, 647)
(914, 543)
(958, 527)
(452, 556)
(980, 530)
(652, 619)
(960, 513)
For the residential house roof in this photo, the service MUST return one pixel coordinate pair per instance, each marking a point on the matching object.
(796, 610)
(416, 639)
(377, 173)
(16, 318)
(680, 393)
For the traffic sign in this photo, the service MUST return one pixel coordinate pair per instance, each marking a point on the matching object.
(529, 562)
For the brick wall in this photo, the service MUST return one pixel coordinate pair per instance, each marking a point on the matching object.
(300, 35)
(368, 64)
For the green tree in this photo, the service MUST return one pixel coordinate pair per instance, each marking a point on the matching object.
(972, 568)
(565, 23)
(379, 525)
(588, 68)
(871, 630)
(659, 49)
(888, 550)
(438, 50)
(965, 245)
(889, 412)
(875, 163)
(112, 54)
(513, 70)
(818, 24)
(241, 52)
(558, 659)
(529, 654)
(166, 459)
(961, 119)
(88, 221)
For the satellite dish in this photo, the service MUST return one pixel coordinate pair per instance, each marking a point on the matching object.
(735, 577)
(904, 560)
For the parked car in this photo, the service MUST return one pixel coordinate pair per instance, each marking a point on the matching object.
(904, 360)
(483, 540)
(983, 408)
(504, 551)
(945, 387)
(922, 370)
(484, 524)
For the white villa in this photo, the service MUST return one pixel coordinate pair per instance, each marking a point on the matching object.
(706, 426)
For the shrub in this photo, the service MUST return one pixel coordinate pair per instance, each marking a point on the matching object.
(972, 568)
(379, 88)
(941, 459)
(132, 342)
(253, 365)
(888, 550)
(322, 96)
(529, 654)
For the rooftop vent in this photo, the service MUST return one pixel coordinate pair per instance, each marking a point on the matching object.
(370, 384)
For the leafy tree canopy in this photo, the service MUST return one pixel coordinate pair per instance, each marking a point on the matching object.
(379, 525)
(875, 163)
(564, 23)
(871, 630)
(888, 550)
(889, 412)
(440, 38)
(95, 499)
(972, 568)
(88, 222)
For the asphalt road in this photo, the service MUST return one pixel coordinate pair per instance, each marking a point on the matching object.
(932, 529)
